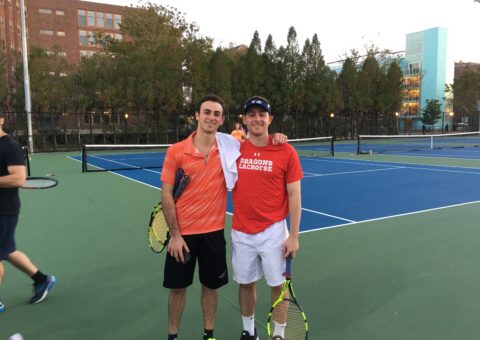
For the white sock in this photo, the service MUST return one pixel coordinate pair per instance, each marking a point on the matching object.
(279, 329)
(249, 324)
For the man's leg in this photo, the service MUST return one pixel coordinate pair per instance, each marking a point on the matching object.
(209, 306)
(2, 307)
(248, 298)
(176, 304)
(2, 271)
(280, 313)
(247, 294)
(42, 283)
(22, 262)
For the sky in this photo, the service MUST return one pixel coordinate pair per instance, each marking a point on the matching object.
(341, 25)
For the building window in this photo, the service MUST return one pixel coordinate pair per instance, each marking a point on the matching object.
(60, 33)
(118, 36)
(100, 20)
(46, 32)
(109, 20)
(118, 21)
(59, 12)
(91, 39)
(82, 20)
(45, 11)
(83, 38)
(62, 54)
(91, 18)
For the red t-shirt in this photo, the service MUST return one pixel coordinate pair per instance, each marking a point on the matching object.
(202, 205)
(260, 195)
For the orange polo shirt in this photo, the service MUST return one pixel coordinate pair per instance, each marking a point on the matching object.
(201, 207)
(238, 134)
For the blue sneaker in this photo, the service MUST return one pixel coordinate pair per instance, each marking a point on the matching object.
(2, 307)
(40, 291)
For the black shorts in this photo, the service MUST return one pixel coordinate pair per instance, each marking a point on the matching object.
(210, 250)
(7, 233)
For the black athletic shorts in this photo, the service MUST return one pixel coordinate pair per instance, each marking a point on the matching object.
(7, 233)
(210, 251)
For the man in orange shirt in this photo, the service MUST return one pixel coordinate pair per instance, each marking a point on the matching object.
(238, 133)
(266, 192)
(197, 218)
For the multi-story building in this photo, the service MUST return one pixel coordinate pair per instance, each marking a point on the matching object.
(424, 68)
(10, 34)
(68, 27)
(462, 67)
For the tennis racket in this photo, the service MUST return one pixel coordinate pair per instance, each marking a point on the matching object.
(158, 231)
(286, 313)
(39, 183)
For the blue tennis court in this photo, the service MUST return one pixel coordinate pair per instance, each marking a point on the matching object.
(343, 191)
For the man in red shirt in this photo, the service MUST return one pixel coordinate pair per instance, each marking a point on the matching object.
(266, 192)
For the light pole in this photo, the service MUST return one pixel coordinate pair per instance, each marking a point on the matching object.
(126, 127)
(332, 117)
(451, 118)
(443, 121)
(396, 124)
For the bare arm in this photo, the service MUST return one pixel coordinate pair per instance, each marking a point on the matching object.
(177, 244)
(15, 178)
(295, 209)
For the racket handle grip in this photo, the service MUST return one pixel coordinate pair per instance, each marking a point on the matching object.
(288, 267)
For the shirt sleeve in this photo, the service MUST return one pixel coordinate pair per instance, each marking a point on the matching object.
(294, 170)
(15, 155)
(169, 167)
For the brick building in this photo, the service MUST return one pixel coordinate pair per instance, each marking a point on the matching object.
(69, 26)
(65, 26)
(462, 67)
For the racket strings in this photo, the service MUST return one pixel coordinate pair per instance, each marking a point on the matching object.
(288, 314)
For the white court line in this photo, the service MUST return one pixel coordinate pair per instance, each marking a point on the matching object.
(392, 216)
(371, 162)
(324, 214)
(113, 172)
(352, 172)
(126, 164)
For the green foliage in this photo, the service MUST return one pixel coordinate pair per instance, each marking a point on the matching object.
(431, 112)
(163, 66)
(466, 92)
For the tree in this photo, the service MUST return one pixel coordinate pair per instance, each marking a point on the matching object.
(431, 112)
(466, 93)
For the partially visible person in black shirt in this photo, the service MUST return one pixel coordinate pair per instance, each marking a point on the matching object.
(12, 177)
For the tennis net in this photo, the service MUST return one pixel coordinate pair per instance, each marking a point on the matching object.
(314, 147)
(368, 144)
(108, 157)
(112, 157)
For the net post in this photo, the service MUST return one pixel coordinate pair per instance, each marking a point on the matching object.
(358, 145)
(332, 150)
(84, 158)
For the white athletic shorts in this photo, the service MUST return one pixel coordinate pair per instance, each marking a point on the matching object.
(257, 255)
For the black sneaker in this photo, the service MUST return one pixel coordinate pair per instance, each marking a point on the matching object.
(246, 336)
(41, 290)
